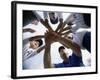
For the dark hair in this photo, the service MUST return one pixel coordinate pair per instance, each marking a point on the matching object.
(61, 47)
(28, 17)
(38, 40)
(54, 21)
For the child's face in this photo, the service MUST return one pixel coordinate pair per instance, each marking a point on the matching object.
(34, 44)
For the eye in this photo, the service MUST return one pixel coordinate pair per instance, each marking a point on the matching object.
(35, 44)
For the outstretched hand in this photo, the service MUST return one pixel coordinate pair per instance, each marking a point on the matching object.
(51, 36)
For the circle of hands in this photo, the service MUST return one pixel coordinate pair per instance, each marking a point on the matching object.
(53, 36)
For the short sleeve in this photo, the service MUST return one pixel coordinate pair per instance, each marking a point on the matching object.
(29, 53)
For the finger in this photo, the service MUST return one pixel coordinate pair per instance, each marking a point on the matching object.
(63, 25)
(67, 33)
(59, 26)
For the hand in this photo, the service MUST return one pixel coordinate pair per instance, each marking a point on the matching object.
(46, 24)
(51, 36)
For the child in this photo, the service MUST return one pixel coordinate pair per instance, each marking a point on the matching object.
(32, 48)
(68, 61)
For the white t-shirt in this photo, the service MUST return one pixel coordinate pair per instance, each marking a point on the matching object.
(40, 30)
(28, 52)
(78, 37)
(78, 21)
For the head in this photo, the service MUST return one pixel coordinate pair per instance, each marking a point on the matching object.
(62, 52)
(35, 43)
(53, 17)
(35, 21)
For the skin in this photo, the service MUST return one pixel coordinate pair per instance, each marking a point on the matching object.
(51, 37)
(34, 44)
(29, 30)
(63, 55)
(55, 36)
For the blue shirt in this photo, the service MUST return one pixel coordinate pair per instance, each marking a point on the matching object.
(73, 61)
(87, 41)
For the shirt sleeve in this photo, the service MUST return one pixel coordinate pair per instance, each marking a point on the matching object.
(29, 53)
(37, 15)
(45, 14)
(76, 40)
(70, 18)
(75, 60)
(59, 65)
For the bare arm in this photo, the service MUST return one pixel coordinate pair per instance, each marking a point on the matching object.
(65, 29)
(28, 30)
(68, 21)
(37, 37)
(46, 24)
(62, 26)
(49, 39)
(66, 33)
(67, 43)
(40, 49)
(47, 56)
(59, 26)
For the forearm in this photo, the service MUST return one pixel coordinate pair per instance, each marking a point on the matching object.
(47, 57)
(68, 43)
(37, 15)
(65, 29)
(40, 49)
(46, 24)
(59, 26)
(28, 30)
(37, 37)
(66, 33)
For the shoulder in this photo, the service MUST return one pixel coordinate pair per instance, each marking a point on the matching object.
(58, 65)
(74, 56)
